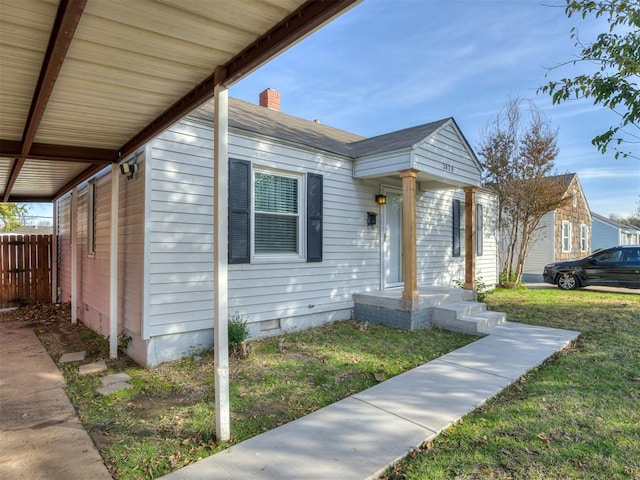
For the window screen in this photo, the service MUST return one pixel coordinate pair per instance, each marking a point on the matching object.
(276, 207)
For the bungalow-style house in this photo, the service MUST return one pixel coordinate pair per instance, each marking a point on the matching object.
(316, 215)
(607, 233)
(563, 234)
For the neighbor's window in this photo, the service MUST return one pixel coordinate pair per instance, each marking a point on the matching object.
(277, 218)
(566, 236)
(91, 217)
(584, 238)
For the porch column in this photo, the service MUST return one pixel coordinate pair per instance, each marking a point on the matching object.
(470, 238)
(113, 262)
(220, 257)
(73, 225)
(409, 250)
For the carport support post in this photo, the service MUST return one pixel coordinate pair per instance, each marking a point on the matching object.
(113, 260)
(74, 255)
(220, 258)
(470, 238)
(409, 249)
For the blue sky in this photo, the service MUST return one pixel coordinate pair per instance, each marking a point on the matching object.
(391, 64)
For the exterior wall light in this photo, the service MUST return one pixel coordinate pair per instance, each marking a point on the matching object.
(129, 168)
(381, 199)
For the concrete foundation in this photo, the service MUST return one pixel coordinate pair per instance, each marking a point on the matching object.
(387, 307)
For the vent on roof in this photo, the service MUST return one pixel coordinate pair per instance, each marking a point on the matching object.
(270, 98)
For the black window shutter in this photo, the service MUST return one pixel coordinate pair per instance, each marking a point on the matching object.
(239, 211)
(479, 230)
(314, 217)
(456, 228)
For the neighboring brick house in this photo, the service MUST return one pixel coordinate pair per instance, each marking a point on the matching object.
(563, 234)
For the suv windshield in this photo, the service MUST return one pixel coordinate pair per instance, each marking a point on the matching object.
(608, 256)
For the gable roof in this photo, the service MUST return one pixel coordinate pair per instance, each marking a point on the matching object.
(273, 123)
(397, 140)
(253, 118)
(565, 179)
(613, 223)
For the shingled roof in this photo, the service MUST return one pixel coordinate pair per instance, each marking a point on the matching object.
(264, 121)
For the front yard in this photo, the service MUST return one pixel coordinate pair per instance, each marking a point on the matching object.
(578, 416)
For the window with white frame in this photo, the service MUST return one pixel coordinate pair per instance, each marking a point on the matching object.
(566, 236)
(91, 217)
(277, 214)
(584, 238)
(274, 215)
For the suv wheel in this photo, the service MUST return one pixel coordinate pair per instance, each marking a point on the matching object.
(568, 281)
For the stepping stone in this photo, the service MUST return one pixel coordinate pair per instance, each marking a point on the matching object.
(113, 388)
(115, 378)
(95, 367)
(72, 357)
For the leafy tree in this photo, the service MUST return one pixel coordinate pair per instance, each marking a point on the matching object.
(11, 215)
(518, 156)
(615, 55)
(634, 219)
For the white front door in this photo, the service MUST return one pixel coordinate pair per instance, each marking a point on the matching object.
(392, 239)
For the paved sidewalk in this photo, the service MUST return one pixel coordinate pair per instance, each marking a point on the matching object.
(358, 437)
(41, 436)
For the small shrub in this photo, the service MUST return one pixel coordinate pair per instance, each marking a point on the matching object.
(481, 288)
(508, 281)
(237, 331)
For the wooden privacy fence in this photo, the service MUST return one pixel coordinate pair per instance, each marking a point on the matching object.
(25, 269)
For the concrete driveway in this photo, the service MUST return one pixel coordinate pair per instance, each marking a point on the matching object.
(41, 437)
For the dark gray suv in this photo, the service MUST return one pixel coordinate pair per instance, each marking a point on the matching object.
(613, 267)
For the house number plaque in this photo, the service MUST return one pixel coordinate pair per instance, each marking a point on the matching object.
(447, 167)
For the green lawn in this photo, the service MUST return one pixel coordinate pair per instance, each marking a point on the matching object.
(577, 416)
(167, 419)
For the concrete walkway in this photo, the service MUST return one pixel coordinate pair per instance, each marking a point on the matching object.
(358, 437)
(41, 436)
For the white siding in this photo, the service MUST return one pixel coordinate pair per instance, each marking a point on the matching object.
(179, 238)
(541, 249)
(382, 164)
(436, 263)
(351, 259)
(487, 263)
(446, 156)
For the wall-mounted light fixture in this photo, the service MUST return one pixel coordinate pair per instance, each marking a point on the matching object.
(381, 199)
(129, 168)
(371, 218)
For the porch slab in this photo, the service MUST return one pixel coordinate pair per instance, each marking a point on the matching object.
(387, 307)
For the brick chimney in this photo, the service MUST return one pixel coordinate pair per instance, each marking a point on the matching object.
(270, 98)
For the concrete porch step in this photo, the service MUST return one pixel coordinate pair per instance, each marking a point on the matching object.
(466, 317)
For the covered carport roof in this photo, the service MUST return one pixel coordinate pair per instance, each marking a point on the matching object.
(84, 83)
